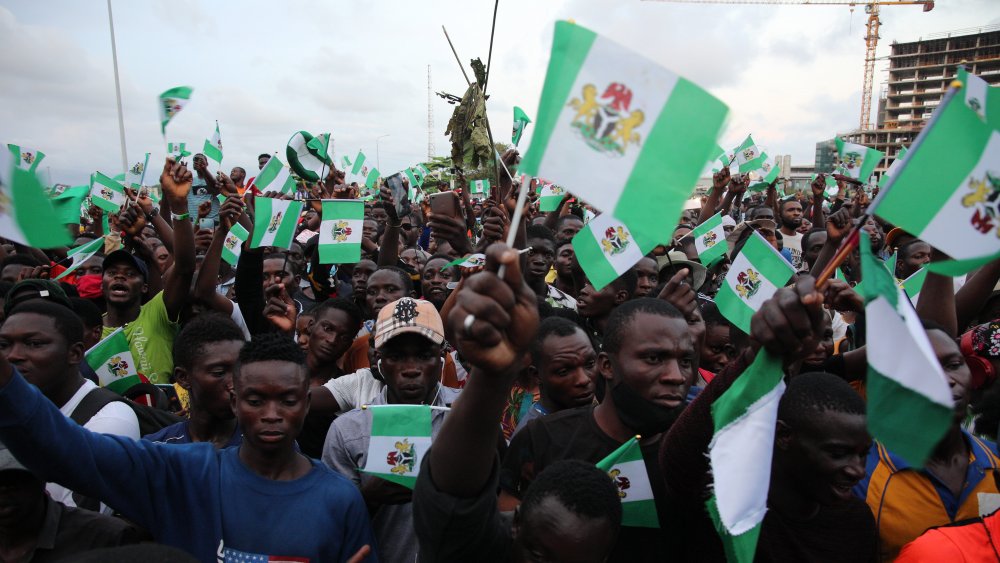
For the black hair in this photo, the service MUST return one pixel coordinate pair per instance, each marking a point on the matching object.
(551, 326)
(930, 325)
(712, 316)
(206, 328)
(752, 213)
(581, 487)
(240, 168)
(290, 265)
(347, 306)
(902, 249)
(89, 314)
(783, 202)
(622, 316)
(814, 393)
(809, 234)
(564, 218)
(263, 154)
(68, 325)
(271, 346)
(627, 281)
(437, 256)
(403, 275)
(539, 232)
(20, 260)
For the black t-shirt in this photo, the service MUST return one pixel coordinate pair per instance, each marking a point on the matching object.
(574, 434)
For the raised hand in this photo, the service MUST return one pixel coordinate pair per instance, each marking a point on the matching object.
(204, 208)
(385, 194)
(230, 212)
(175, 180)
(791, 322)
(839, 296)
(678, 292)
(279, 308)
(132, 220)
(720, 179)
(226, 185)
(838, 225)
(818, 185)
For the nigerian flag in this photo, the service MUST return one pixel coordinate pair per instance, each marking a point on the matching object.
(177, 150)
(748, 156)
(945, 190)
(25, 158)
(136, 176)
(171, 102)
(893, 168)
(274, 222)
(710, 240)
(340, 231)
(113, 363)
(521, 122)
(232, 247)
(744, 418)
(755, 274)
(913, 284)
(479, 187)
(627, 470)
(372, 178)
(606, 249)
(763, 176)
(910, 404)
(322, 147)
(413, 179)
(549, 196)
(856, 161)
(976, 93)
(26, 213)
(345, 163)
(359, 163)
(69, 204)
(275, 177)
(400, 437)
(303, 158)
(832, 188)
(423, 170)
(650, 130)
(470, 261)
(81, 254)
(213, 146)
(107, 193)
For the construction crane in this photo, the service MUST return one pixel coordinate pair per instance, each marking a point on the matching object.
(872, 8)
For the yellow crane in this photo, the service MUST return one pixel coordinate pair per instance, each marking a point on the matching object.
(872, 8)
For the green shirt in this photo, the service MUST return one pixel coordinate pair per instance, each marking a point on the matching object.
(151, 340)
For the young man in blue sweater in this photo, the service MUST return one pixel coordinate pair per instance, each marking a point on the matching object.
(262, 499)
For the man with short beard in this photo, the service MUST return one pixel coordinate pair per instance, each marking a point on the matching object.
(791, 219)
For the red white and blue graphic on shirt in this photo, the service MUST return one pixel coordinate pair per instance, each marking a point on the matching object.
(230, 555)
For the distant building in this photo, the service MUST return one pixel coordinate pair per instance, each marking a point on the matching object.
(826, 155)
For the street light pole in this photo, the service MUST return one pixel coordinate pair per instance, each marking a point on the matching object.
(378, 160)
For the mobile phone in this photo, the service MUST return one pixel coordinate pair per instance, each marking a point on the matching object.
(206, 224)
(444, 203)
(399, 193)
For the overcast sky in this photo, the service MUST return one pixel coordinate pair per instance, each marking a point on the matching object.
(791, 75)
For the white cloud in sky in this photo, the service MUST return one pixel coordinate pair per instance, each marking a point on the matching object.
(790, 74)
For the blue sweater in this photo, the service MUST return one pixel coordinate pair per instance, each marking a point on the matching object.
(193, 497)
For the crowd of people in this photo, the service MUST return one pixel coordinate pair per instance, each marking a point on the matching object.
(248, 436)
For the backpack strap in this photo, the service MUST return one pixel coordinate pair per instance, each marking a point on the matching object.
(92, 403)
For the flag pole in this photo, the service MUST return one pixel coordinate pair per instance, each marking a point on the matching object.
(118, 91)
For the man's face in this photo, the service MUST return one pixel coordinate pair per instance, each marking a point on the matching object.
(568, 229)
(411, 366)
(413, 258)
(369, 230)
(303, 325)
(598, 304)
(434, 281)
(331, 335)
(955, 370)
(297, 256)
(716, 351)
(728, 229)
(384, 286)
(647, 275)
(379, 215)
(539, 259)
(237, 175)
(552, 532)
(271, 401)
(359, 277)
(200, 160)
(31, 343)
(311, 220)
(92, 266)
(791, 215)
(277, 271)
(163, 258)
(122, 284)
(564, 260)
(916, 256)
(211, 378)
(764, 213)
(824, 348)
(805, 227)
(815, 244)
(826, 454)
(657, 359)
(262, 161)
(567, 371)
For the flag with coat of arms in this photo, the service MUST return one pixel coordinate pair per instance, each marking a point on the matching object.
(26, 158)
(627, 470)
(340, 231)
(400, 438)
(754, 276)
(710, 240)
(606, 248)
(112, 361)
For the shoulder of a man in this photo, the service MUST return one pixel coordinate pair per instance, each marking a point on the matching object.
(173, 434)
(154, 311)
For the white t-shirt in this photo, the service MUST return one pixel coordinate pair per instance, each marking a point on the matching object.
(794, 245)
(114, 418)
(354, 389)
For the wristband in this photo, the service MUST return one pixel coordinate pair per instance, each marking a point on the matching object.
(181, 217)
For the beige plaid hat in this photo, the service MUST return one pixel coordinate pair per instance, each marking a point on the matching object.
(408, 315)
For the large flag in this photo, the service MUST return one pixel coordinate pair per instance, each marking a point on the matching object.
(359, 164)
(521, 122)
(909, 399)
(274, 222)
(627, 470)
(400, 437)
(755, 274)
(25, 158)
(112, 360)
(740, 453)
(136, 176)
(710, 240)
(303, 159)
(81, 254)
(945, 190)
(893, 168)
(26, 213)
(178, 150)
(856, 161)
(68, 205)
(748, 156)
(340, 231)
(213, 146)
(107, 193)
(479, 187)
(606, 249)
(275, 177)
(645, 131)
(232, 247)
(171, 102)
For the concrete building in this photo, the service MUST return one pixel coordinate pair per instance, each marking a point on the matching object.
(826, 155)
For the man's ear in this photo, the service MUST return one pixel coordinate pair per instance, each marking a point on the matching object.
(604, 366)
(76, 353)
(621, 296)
(783, 435)
(182, 377)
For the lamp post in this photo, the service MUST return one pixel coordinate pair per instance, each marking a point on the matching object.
(378, 160)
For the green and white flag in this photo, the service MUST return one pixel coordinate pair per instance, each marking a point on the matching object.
(761, 178)
(340, 231)
(25, 158)
(413, 179)
(178, 150)
(627, 470)
(944, 191)
(856, 161)
(914, 284)
(171, 102)
(359, 163)
(274, 222)
(113, 363)
(213, 146)
(136, 176)
(832, 188)
(647, 131)
(976, 93)
(479, 187)
(710, 240)
(744, 418)
(470, 261)
(322, 147)
(423, 170)
(400, 438)
(232, 247)
(755, 274)
(549, 196)
(107, 193)
(26, 213)
(521, 122)
(302, 158)
(275, 177)
(371, 178)
(910, 405)
(69, 204)
(345, 163)
(893, 168)
(606, 249)
(81, 254)
(749, 156)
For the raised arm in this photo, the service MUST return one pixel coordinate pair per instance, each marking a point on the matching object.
(719, 181)
(176, 183)
(208, 275)
(972, 296)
